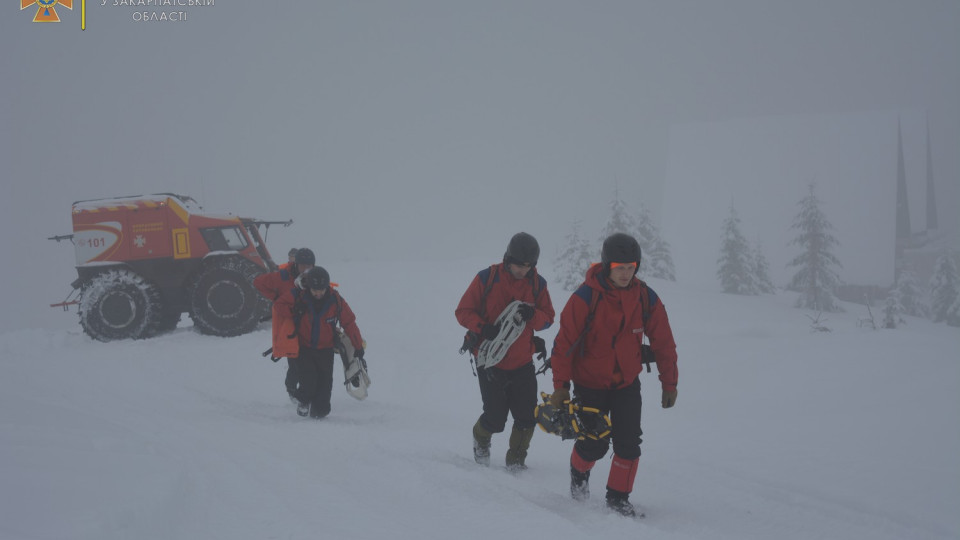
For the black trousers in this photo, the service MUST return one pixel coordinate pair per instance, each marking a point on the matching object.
(503, 391)
(624, 406)
(315, 367)
(292, 378)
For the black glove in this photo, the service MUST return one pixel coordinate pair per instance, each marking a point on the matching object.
(526, 311)
(540, 347)
(489, 331)
(358, 353)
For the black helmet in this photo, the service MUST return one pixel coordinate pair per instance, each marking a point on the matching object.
(523, 249)
(305, 256)
(315, 278)
(292, 252)
(620, 248)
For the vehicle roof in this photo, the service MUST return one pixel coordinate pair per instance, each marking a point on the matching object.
(137, 201)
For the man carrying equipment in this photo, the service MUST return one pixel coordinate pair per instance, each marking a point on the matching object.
(599, 347)
(508, 382)
(311, 311)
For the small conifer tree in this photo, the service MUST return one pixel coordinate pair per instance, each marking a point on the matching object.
(892, 308)
(655, 250)
(944, 290)
(735, 264)
(573, 260)
(909, 292)
(815, 280)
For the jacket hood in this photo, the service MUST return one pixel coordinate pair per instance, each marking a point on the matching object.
(596, 280)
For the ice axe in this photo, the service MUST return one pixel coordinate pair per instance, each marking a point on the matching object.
(268, 352)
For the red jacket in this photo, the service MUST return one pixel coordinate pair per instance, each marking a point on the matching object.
(272, 284)
(320, 317)
(504, 289)
(610, 357)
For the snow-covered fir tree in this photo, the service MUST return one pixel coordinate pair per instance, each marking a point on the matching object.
(655, 250)
(656, 260)
(572, 261)
(816, 279)
(955, 310)
(909, 291)
(735, 264)
(892, 310)
(621, 219)
(944, 291)
(761, 270)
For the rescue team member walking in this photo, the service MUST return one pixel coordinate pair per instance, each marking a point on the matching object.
(510, 385)
(598, 347)
(271, 285)
(310, 312)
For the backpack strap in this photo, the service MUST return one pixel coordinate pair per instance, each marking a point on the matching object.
(645, 302)
(471, 339)
(339, 301)
(594, 300)
(538, 284)
(492, 277)
(646, 352)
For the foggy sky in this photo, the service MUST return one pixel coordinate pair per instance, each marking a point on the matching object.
(428, 130)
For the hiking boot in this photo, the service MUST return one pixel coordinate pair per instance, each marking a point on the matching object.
(516, 468)
(617, 501)
(303, 409)
(517, 453)
(579, 484)
(481, 444)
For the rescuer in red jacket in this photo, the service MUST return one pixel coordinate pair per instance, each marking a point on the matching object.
(510, 386)
(271, 285)
(602, 355)
(309, 313)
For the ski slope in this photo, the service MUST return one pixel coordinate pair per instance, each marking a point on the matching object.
(778, 432)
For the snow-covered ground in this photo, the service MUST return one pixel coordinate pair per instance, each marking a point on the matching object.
(778, 432)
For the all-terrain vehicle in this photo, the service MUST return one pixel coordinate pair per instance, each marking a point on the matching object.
(143, 261)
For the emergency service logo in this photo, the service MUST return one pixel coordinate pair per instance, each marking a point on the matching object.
(46, 9)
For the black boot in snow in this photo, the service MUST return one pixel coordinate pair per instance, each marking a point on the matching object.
(579, 484)
(619, 503)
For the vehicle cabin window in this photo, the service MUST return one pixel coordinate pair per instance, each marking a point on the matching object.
(224, 239)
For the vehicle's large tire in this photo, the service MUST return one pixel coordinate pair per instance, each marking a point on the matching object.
(119, 304)
(223, 301)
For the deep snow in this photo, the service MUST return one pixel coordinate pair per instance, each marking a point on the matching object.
(778, 432)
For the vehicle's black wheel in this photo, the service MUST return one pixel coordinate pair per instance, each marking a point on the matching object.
(119, 304)
(223, 301)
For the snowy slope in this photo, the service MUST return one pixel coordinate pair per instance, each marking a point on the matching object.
(778, 432)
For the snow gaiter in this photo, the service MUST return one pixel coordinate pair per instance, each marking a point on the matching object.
(519, 444)
(622, 474)
(481, 444)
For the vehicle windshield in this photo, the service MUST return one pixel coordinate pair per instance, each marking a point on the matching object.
(259, 245)
(225, 239)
